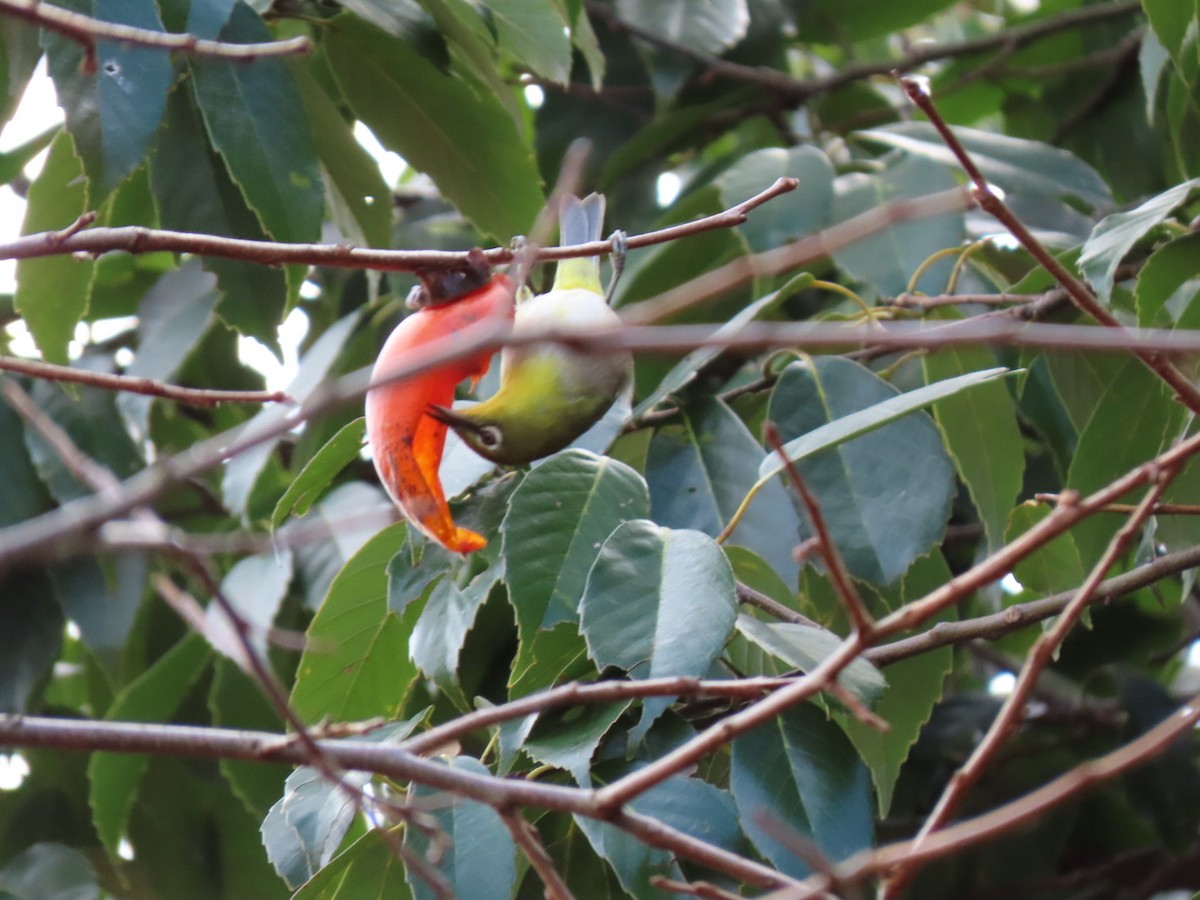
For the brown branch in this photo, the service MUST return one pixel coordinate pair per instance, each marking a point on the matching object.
(1018, 813)
(1039, 657)
(525, 835)
(1021, 615)
(982, 573)
(1080, 293)
(839, 575)
(136, 239)
(87, 31)
(129, 384)
(389, 761)
(795, 91)
(790, 256)
(250, 660)
(770, 606)
(576, 693)
(1160, 509)
(59, 529)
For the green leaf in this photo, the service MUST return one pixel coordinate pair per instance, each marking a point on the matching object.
(20, 51)
(700, 470)
(369, 869)
(636, 864)
(708, 27)
(355, 663)
(831, 21)
(103, 600)
(441, 631)
(22, 497)
(799, 773)
(1174, 23)
(883, 508)
(1116, 234)
(1111, 445)
(173, 318)
(1054, 566)
(805, 647)
(114, 103)
(304, 829)
(1013, 164)
(243, 471)
(463, 140)
(536, 34)
(91, 421)
(31, 627)
(358, 200)
(695, 807)
(337, 453)
(568, 739)
(887, 258)
(256, 121)
(255, 588)
(557, 518)
(195, 193)
(1168, 283)
(235, 702)
(478, 859)
(658, 602)
(914, 688)
(13, 162)
(800, 212)
(152, 697)
(52, 291)
(306, 826)
(47, 871)
(867, 420)
(685, 370)
(981, 435)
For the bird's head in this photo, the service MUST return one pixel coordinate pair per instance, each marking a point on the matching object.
(484, 436)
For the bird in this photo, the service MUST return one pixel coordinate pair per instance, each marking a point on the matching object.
(550, 393)
(406, 440)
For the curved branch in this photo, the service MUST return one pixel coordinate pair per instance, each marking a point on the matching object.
(133, 385)
(796, 91)
(76, 239)
(392, 762)
(87, 31)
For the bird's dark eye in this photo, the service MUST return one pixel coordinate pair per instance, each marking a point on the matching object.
(490, 436)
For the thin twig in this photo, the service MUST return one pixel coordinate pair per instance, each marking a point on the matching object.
(1014, 815)
(87, 31)
(389, 761)
(1159, 509)
(136, 239)
(133, 385)
(1038, 658)
(525, 835)
(1081, 295)
(1021, 615)
(796, 91)
(839, 575)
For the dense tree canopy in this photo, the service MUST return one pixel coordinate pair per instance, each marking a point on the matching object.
(910, 288)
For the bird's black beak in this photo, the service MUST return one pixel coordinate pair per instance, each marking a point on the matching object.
(451, 418)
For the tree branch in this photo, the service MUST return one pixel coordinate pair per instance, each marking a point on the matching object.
(132, 385)
(1079, 292)
(389, 761)
(137, 239)
(87, 31)
(1039, 657)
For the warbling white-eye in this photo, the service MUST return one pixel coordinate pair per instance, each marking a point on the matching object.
(550, 394)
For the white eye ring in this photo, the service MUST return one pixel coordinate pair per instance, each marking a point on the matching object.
(490, 436)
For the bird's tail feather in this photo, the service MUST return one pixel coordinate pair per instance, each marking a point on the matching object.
(580, 221)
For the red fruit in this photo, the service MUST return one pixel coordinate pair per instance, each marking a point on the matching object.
(406, 442)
